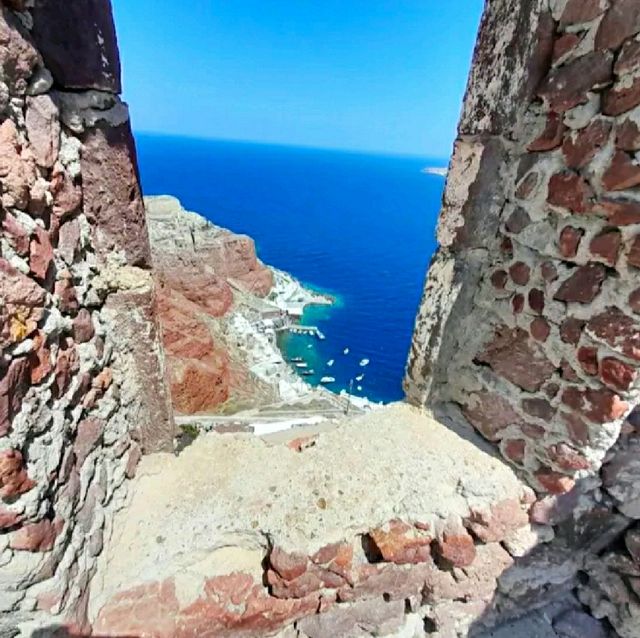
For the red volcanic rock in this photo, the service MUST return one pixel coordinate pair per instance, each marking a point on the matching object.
(570, 241)
(540, 329)
(579, 11)
(69, 240)
(621, 21)
(571, 191)
(583, 285)
(43, 129)
(499, 279)
(552, 135)
(490, 413)
(617, 374)
(565, 43)
(634, 300)
(18, 57)
(566, 458)
(514, 450)
(568, 85)
(629, 59)
(87, 437)
(622, 97)
(66, 366)
(13, 476)
(109, 178)
(548, 271)
(513, 356)
(232, 604)
(288, 566)
(600, 406)
(9, 519)
(17, 169)
(536, 300)
(40, 359)
(401, 544)
(14, 385)
(539, 408)
(67, 196)
(555, 483)
(628, 136)
(571, 330)
(520, 273)
(494, 525)
(36, 537)
(456, 548)
(581, 146)
(198, 370)
(17, 235)
(518, 303)
(588, 358)
(577, 429)
(607, 246)
(623, 173)
(40, 254)
(618, 330)
(83, 329)
(633, 256)
(620, 212)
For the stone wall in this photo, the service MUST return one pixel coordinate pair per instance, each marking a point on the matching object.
(82, 394)
(529, 329)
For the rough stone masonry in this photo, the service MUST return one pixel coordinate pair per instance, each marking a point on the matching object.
(82, 393)
(529, 329)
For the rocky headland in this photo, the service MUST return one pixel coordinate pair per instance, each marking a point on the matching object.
(220, 311)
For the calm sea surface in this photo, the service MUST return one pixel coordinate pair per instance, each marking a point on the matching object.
(360, 227)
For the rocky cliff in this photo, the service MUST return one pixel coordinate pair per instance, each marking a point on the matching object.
(196, 264)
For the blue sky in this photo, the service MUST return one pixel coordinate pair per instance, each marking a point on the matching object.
(373, 75)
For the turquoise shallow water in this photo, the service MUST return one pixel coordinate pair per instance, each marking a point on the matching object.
(360, 227)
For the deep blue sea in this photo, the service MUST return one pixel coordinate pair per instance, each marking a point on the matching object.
(360, 227)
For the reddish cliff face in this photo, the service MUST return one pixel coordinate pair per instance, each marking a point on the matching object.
(196, 265)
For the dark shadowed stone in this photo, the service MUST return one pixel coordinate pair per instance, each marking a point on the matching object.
(499, 279)
(577, 624)
(619, 331)
(623, 173)
(583, 285)
(571, 191)
(518, 221)
(539, 408)
(112, 198)
(513, 356)
(490, 413)
(600, 406)
(581, 146)
(606, 245)
(67, 36)
(621, 21)
(568, 85)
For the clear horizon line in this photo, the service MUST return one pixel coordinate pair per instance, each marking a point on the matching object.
(352, 151)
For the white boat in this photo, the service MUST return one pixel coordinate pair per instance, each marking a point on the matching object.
(364, 362)
(360, 377)
(330, 362)
(359, 388)
(346, 351)
(302, 365)
(327, 380)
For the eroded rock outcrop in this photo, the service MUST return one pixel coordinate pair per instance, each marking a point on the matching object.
(197, 266)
